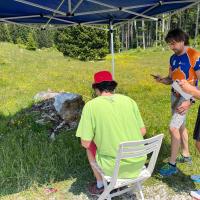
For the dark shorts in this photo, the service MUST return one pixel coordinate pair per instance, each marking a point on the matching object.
(196, 135)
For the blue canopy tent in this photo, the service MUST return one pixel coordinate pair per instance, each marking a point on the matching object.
(87, 12)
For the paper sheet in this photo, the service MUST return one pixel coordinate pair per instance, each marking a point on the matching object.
(177, 87)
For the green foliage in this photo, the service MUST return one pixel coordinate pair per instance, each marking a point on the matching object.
(19, 32)
(19, 40)
(45, 38)
(31, 43)
(5, 33)
(24, 35)
(83, 43)
(192, 41)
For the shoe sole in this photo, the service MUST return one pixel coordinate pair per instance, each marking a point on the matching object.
(112, 191)
(168, 174)
(186, 162)
(196, 181)
(96, 195)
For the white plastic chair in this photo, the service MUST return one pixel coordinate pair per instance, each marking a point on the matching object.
(131, 150)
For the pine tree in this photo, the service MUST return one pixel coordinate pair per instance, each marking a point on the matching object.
(83, 43)
(19, 40)
(5, 33)
(19, 32)
(45, 38)
(31, 43)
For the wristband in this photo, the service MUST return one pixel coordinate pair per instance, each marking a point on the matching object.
(192, 101)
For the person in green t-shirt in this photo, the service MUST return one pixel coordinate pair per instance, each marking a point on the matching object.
(106, 121)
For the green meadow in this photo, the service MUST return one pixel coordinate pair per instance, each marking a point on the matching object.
(30, 161)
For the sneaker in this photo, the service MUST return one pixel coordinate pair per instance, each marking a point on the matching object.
(195, 194)
(183, 159)
(196, 178)
(93, 190)
(168, 170)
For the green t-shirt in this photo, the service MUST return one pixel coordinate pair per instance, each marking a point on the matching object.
(109, 121)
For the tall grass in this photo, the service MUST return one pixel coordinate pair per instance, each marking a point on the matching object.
(28, 158)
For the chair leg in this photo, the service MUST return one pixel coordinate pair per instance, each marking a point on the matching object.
(140, 191)
(108, 197)
(105, 195)
(102, 197)
(141, 194)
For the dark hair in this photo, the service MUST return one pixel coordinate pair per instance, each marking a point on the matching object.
(177, 35)
(108, 86)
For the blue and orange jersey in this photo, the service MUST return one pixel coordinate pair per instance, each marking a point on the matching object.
(185, 66)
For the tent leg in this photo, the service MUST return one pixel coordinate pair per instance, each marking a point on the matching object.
(112, 49)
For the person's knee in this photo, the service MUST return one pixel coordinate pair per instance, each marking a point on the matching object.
(198, 145)
(182, 128)
(174, 132)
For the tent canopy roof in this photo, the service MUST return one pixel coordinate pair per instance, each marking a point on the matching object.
(73, 12)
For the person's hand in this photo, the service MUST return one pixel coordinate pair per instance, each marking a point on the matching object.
(158, 78)
(186, 87)
(183, 108)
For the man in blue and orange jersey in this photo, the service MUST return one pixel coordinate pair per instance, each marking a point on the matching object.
(184, 65)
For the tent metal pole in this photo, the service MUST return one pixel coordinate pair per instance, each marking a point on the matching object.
(76, 6)
(69, 6)
(95, 22)
(40, 6)
(61, 3)
(59, 19)
(112, 49)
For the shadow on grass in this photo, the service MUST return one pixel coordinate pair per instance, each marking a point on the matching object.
(29, 157)
(179, 183)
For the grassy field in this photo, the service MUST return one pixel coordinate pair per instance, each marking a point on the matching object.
(29, 161)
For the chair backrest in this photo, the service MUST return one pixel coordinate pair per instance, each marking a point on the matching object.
(137, 149)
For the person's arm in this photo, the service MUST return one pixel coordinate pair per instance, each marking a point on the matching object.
(85, 128)
(184, 107)
(143, 131)
(165, 80)
(186, 87)
(198, 74)
(85, 143)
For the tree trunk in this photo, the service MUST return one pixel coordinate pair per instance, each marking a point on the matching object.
(197, 26)
(160, 33)
(180, 20)
(122, 37)
(168, 24)
(136, 32)
(156, 33)
(126, 39)
(128, 35)
(131, 39)
(163, 28)
(143, 35)
(149, 34)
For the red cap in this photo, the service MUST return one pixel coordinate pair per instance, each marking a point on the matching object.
(102, 76)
